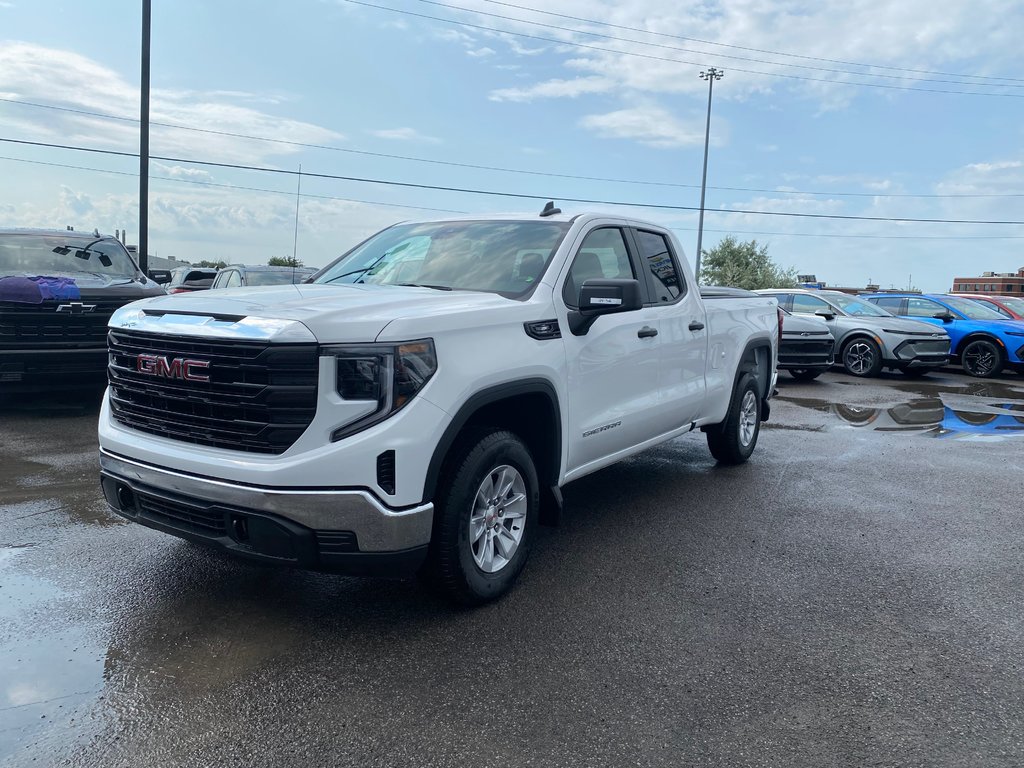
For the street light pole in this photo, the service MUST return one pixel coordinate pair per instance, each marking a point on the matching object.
(711, 74)
(144, 144)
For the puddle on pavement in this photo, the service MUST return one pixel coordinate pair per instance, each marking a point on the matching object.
(984, 413)
(49, 675)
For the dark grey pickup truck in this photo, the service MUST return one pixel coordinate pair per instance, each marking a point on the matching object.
(57, 292)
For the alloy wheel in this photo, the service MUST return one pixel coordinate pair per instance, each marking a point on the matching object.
(498, 519)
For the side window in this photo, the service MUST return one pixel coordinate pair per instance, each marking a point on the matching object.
(218, 281)
(890, 303)
(665, 278)
(808, 305)
(923, 308)
(603, 254)
(234, 280)
(997, 308)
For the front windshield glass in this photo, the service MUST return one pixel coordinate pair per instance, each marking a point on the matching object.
(282, 277)
(972, 309)
(851, 305)
(1014, 304)
(506, 257)
(48, 255)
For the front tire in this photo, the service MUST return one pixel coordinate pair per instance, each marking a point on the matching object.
(484, 523)
(732, 441)
(982, 359)
(862, 357)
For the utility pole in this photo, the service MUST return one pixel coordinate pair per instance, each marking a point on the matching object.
(295, 239)
(711, 74)
(144, 143)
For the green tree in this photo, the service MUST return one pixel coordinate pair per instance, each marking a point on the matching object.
(284, 261)
(212, 264)
(743, 265)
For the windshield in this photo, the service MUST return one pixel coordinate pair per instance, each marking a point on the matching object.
(851, 305)
(1014, 304)
(276, 278)
(506, 257)
(42, 255)
(972, 309)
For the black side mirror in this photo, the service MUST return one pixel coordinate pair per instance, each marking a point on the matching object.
(946, 317)
(161, 276)
(826, 315)
(603, 297)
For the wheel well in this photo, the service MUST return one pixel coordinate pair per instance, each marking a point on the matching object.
(976, 337)
(847, 340)
(531, 413)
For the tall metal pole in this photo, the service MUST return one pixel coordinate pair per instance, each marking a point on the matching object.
(295, 239)
(710, 75)
(144, 144)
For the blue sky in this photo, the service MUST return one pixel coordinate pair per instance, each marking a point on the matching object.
(479, 90)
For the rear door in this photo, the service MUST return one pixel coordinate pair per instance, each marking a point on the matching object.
(613, 370)
(683, 326)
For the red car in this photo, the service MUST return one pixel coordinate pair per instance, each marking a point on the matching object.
(1010, 307)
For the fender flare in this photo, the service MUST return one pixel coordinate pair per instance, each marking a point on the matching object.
(532, 386)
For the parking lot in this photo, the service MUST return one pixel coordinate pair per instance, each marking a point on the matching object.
(850, 597)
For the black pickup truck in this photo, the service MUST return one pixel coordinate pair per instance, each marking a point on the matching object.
(57, 292)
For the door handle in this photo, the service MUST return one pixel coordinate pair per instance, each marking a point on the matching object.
(696, 325)
(647, 332)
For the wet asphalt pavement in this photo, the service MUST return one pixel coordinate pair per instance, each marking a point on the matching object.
(850, 597)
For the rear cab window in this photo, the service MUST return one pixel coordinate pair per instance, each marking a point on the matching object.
(663, 274)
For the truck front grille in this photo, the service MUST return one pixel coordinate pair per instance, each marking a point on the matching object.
(259, 397)
(80, 324)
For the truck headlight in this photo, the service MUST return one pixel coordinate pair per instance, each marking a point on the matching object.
(388, 374)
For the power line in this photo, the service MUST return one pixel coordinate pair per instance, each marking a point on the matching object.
(705, 53)
(753, 50)
(229, 186)
(651, 57)
(499, 169)
(519, 195)
(826, 235)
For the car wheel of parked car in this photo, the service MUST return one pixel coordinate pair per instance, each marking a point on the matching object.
(732, 441)
(805, 374)
(862, 357)
(982, 358)
(484, 518)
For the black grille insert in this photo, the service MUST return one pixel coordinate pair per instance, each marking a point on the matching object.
(81, 324)
(259, 397)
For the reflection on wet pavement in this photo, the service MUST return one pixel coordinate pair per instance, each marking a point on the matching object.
(976, 411)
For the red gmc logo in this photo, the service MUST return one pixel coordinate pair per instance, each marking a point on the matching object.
(172, 368)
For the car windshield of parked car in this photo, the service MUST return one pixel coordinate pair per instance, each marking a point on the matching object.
(276, 277)
(972, 309)
(1015, 304)
(41, 255)
(505, 257)
(851, 305)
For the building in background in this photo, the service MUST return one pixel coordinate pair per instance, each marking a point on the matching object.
(991, 282)
(812, 282)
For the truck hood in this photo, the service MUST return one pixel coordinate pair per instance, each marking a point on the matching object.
(333, 313)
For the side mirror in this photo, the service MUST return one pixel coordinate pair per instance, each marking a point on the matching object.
(162, 276)
(946, 317)
(826, 315)
(603, 297)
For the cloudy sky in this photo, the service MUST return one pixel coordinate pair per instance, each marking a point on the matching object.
(836, 108)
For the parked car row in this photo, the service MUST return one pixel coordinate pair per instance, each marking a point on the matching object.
(909, 332)
(189, 279)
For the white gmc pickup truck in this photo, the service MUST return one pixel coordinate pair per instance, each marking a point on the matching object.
(418, 406)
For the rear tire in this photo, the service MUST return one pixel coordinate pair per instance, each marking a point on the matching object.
(862, 357)
(484, 520)
(982, 359)
(732, 441)
(805, 374)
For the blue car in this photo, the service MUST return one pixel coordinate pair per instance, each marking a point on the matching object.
(981, 339)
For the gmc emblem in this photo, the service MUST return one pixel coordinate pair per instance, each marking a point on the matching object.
(172, 368)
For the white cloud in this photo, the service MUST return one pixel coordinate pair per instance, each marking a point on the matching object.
(1000, 166)
(67, 79)
(651, 125)
(553, 89)
(404, 134)
(183, 172)
(481, 53)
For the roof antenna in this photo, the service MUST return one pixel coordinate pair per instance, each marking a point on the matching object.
(550, 210)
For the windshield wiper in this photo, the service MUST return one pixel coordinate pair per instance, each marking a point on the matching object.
(426, 285)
